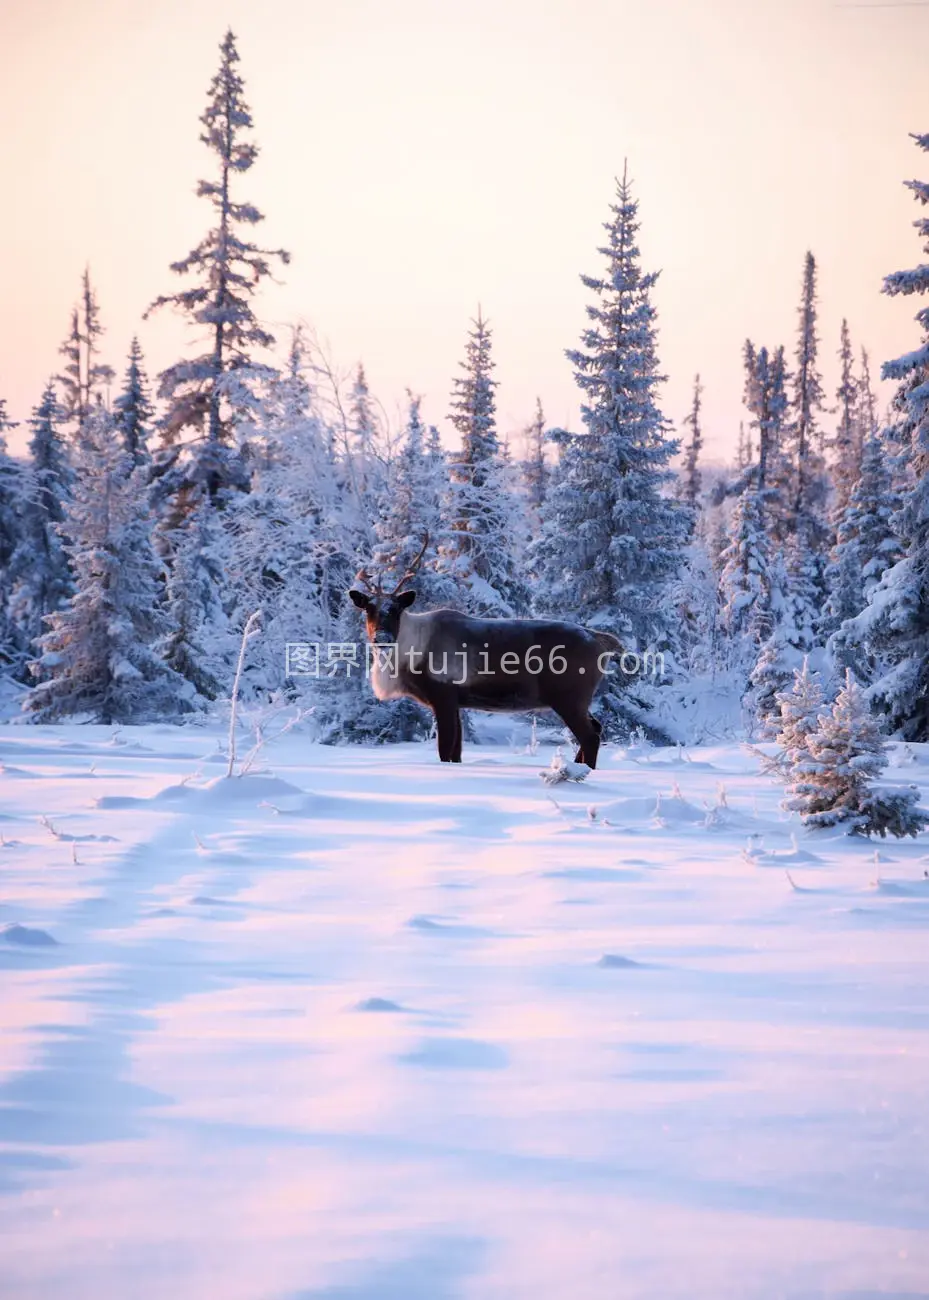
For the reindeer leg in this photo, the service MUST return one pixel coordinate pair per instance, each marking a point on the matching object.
(586, 731)
(456, 747)
(448, 724)
(595, 743)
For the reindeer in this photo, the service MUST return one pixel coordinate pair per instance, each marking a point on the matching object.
(450, 661)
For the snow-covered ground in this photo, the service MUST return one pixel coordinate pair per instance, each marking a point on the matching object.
(368, 1027)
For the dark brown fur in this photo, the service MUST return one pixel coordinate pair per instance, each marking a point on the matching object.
(459, 662)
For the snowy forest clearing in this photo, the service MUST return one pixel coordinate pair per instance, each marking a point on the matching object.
(367, 1026)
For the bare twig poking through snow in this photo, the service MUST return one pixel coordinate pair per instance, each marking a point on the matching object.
(53, 830)
(248, 631)
(771, 764)
(563, 769)
(261, 738)
(74, 857)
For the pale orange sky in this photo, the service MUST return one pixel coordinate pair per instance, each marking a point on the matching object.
(420, 156)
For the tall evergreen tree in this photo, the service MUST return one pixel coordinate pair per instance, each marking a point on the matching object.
(767, 403)
(411, 518)
(612, 538)
(809, 398)
(847, 442)
(133, 408)
(210, 393)
(97, 374)
(364, 462)
(866, 545)
(85, 378)
(71, 379)
(290, 545)
(866, 413)
(484, 554)
(895, 625)
(412, 512)
(198, 644)
(40, 572)
(98, 658)
(691, 478)
(536, 470)
(11, 489)
(743, 447)
(764, 616)
(745, 579)
(364, 426)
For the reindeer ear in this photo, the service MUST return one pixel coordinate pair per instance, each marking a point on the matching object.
(405, 599)
(359, 598)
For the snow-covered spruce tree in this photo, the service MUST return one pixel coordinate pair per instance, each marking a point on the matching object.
(485, 555)
(98, 659)
(866, 545)
(713, 529)
(612, 537)
(133, 408)
(743, 447)
(197, 644)
(364, 434)
(799, 712)
(894, 627)
(85, 378)
(805, 485)
(11, 490)
(411, 517)
(745, 582)
(209, 395)
(866, 405)
(412, 510)
(536, 469)
(690, 480)
(767, 403)
(809, 397)
(40, 576)
(793, 627)
(365, 453)
(791, 469)
(695, 590)
(758, 619)
(804, 587)
(846, 444)
(832, 782)
(806, 514)
(694, 595)
(71, 379)
(778, 656)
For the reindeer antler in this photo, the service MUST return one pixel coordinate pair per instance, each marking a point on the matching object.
(373, 586)
(414, 567)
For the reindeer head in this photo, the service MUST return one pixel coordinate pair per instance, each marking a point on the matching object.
(382, 609)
